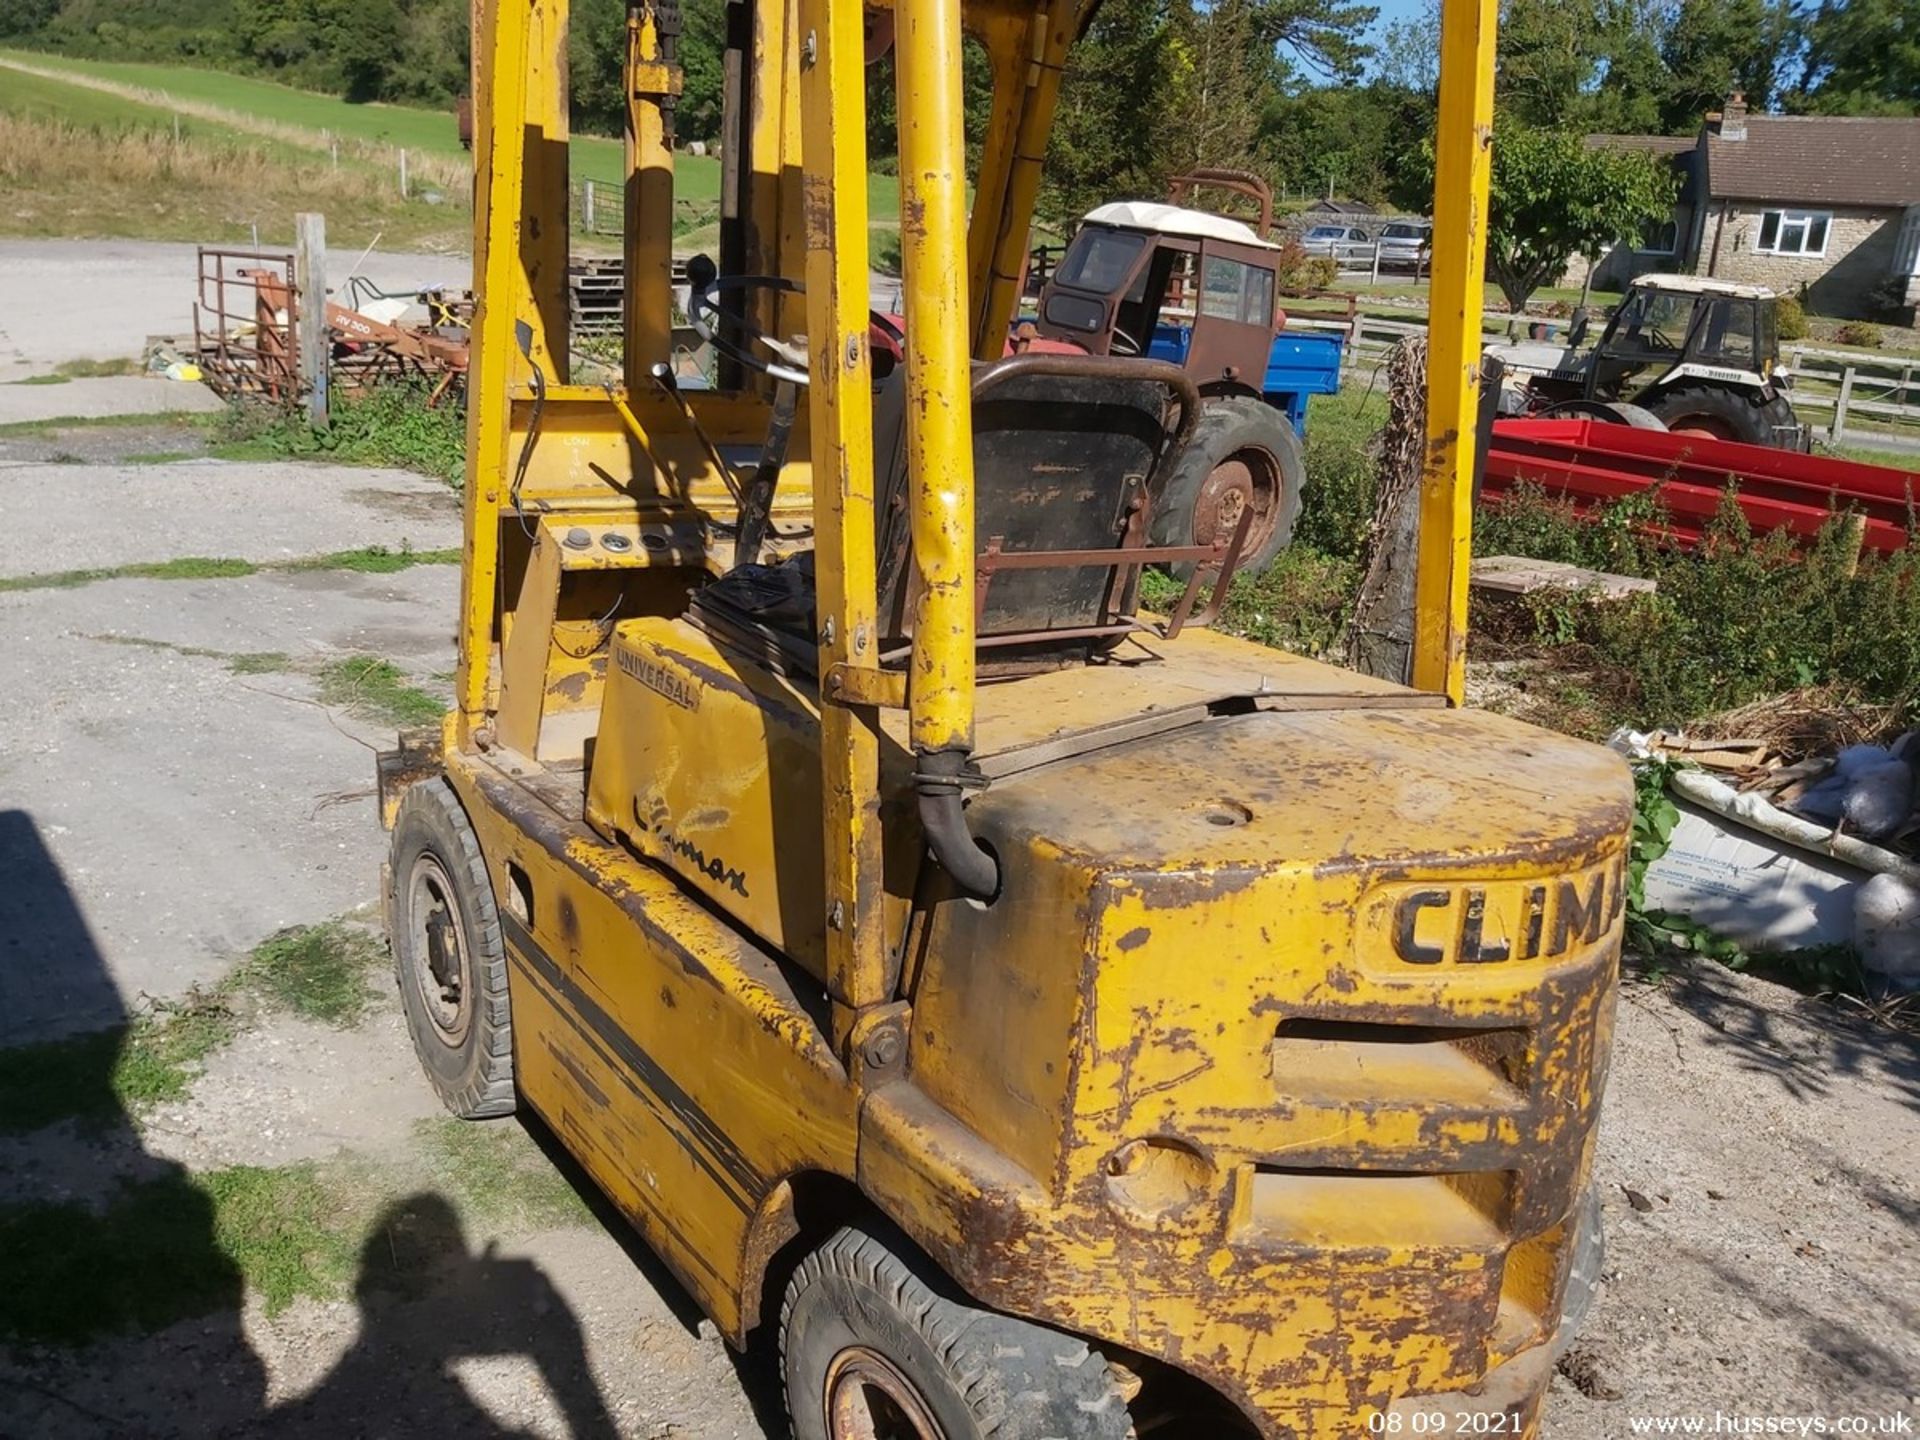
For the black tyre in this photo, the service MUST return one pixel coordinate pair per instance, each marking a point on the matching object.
(448, 955)
(874, 1344)
(1243, 453)
(1719, 411)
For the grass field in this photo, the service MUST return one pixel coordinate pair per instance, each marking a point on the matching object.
(421, 132)
(34, 97)
(77, 162)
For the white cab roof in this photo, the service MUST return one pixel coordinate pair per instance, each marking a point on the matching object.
(1164, 219)
(1703, 285)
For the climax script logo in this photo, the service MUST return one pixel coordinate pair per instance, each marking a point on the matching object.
(1485, 924)
(659, 824)
(661, 679)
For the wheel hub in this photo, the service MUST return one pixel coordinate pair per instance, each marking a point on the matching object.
(1247, 479)
(438, 958)
(868, 1398)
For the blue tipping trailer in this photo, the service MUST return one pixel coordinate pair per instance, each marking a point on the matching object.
(1300, 365)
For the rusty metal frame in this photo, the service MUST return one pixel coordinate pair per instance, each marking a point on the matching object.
(1235, 182)
(241, 343)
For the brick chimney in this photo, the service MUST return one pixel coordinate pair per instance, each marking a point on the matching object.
(1731, 122)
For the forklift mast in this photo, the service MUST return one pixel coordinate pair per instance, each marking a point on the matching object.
(795, 206)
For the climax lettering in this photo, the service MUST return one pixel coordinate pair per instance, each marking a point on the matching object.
(1575, 918)
(1485, 925)
(659, 825)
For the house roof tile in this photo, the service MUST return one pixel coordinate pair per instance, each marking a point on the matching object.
(1826, 160)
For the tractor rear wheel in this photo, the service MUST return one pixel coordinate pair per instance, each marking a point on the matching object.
(874, 1345)
(448, 953)
(1718, 411)
(1243, 456)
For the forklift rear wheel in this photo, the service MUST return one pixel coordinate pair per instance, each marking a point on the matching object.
(874, 1347)
(448, 954)
(1243, 455)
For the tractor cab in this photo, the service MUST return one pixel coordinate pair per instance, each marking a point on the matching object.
(1177, 283)
(1674, 323)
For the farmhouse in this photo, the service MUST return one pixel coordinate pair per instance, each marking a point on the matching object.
(1821, 205)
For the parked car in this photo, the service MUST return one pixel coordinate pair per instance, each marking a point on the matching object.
(1406, 245)
(1342, 242)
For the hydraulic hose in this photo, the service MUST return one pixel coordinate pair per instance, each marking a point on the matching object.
(938, 786)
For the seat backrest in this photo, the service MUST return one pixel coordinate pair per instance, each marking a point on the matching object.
(1068, 452)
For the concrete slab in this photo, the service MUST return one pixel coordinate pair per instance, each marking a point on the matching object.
(68, 517)
(164, 815)
(90, 399)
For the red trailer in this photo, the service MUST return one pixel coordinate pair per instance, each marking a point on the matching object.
(1593, 462)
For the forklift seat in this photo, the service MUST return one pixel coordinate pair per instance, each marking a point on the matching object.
(1068, 452)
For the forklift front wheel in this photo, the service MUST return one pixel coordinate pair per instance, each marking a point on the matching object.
(448, 955)
(1243, 455)
(873, 1343)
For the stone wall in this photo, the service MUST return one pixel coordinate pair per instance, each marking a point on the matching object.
(1858, 259)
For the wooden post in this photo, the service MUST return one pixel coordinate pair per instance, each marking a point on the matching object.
(1376, 261)
(403, 174)
(1839, 431)
(587, 220)
(310, 310)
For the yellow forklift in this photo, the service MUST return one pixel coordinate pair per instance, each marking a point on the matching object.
(1044, 1017)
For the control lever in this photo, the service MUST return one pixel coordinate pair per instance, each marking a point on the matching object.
(756, 505)
(663, 376)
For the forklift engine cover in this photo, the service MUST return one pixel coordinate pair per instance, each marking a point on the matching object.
(1318, 1077)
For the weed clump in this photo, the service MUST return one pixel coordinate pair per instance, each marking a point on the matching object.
(392, 425)
(319, 971)
(1738, 618)
(378, 690)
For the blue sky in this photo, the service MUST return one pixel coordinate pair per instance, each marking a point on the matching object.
(1392, 10)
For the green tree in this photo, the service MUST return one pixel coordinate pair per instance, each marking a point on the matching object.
(1219, 73)
(26, 17)
(434, 39)
(1554, 197)
(1408, 57)
(703, 44)
(1327, 36)
(359, 45)
(596, 62)
(1105, 129)
(1549, 54)
(1862, 57)
(1711, 47)
(1626, 95)
(1355, 141)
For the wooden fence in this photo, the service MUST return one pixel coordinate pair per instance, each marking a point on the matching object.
(1855, 399)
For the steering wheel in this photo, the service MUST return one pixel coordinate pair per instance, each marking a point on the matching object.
(709, 321)
(1122, 339)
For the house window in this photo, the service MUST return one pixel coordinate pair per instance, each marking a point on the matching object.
(1793, 232)
(1661, 237)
